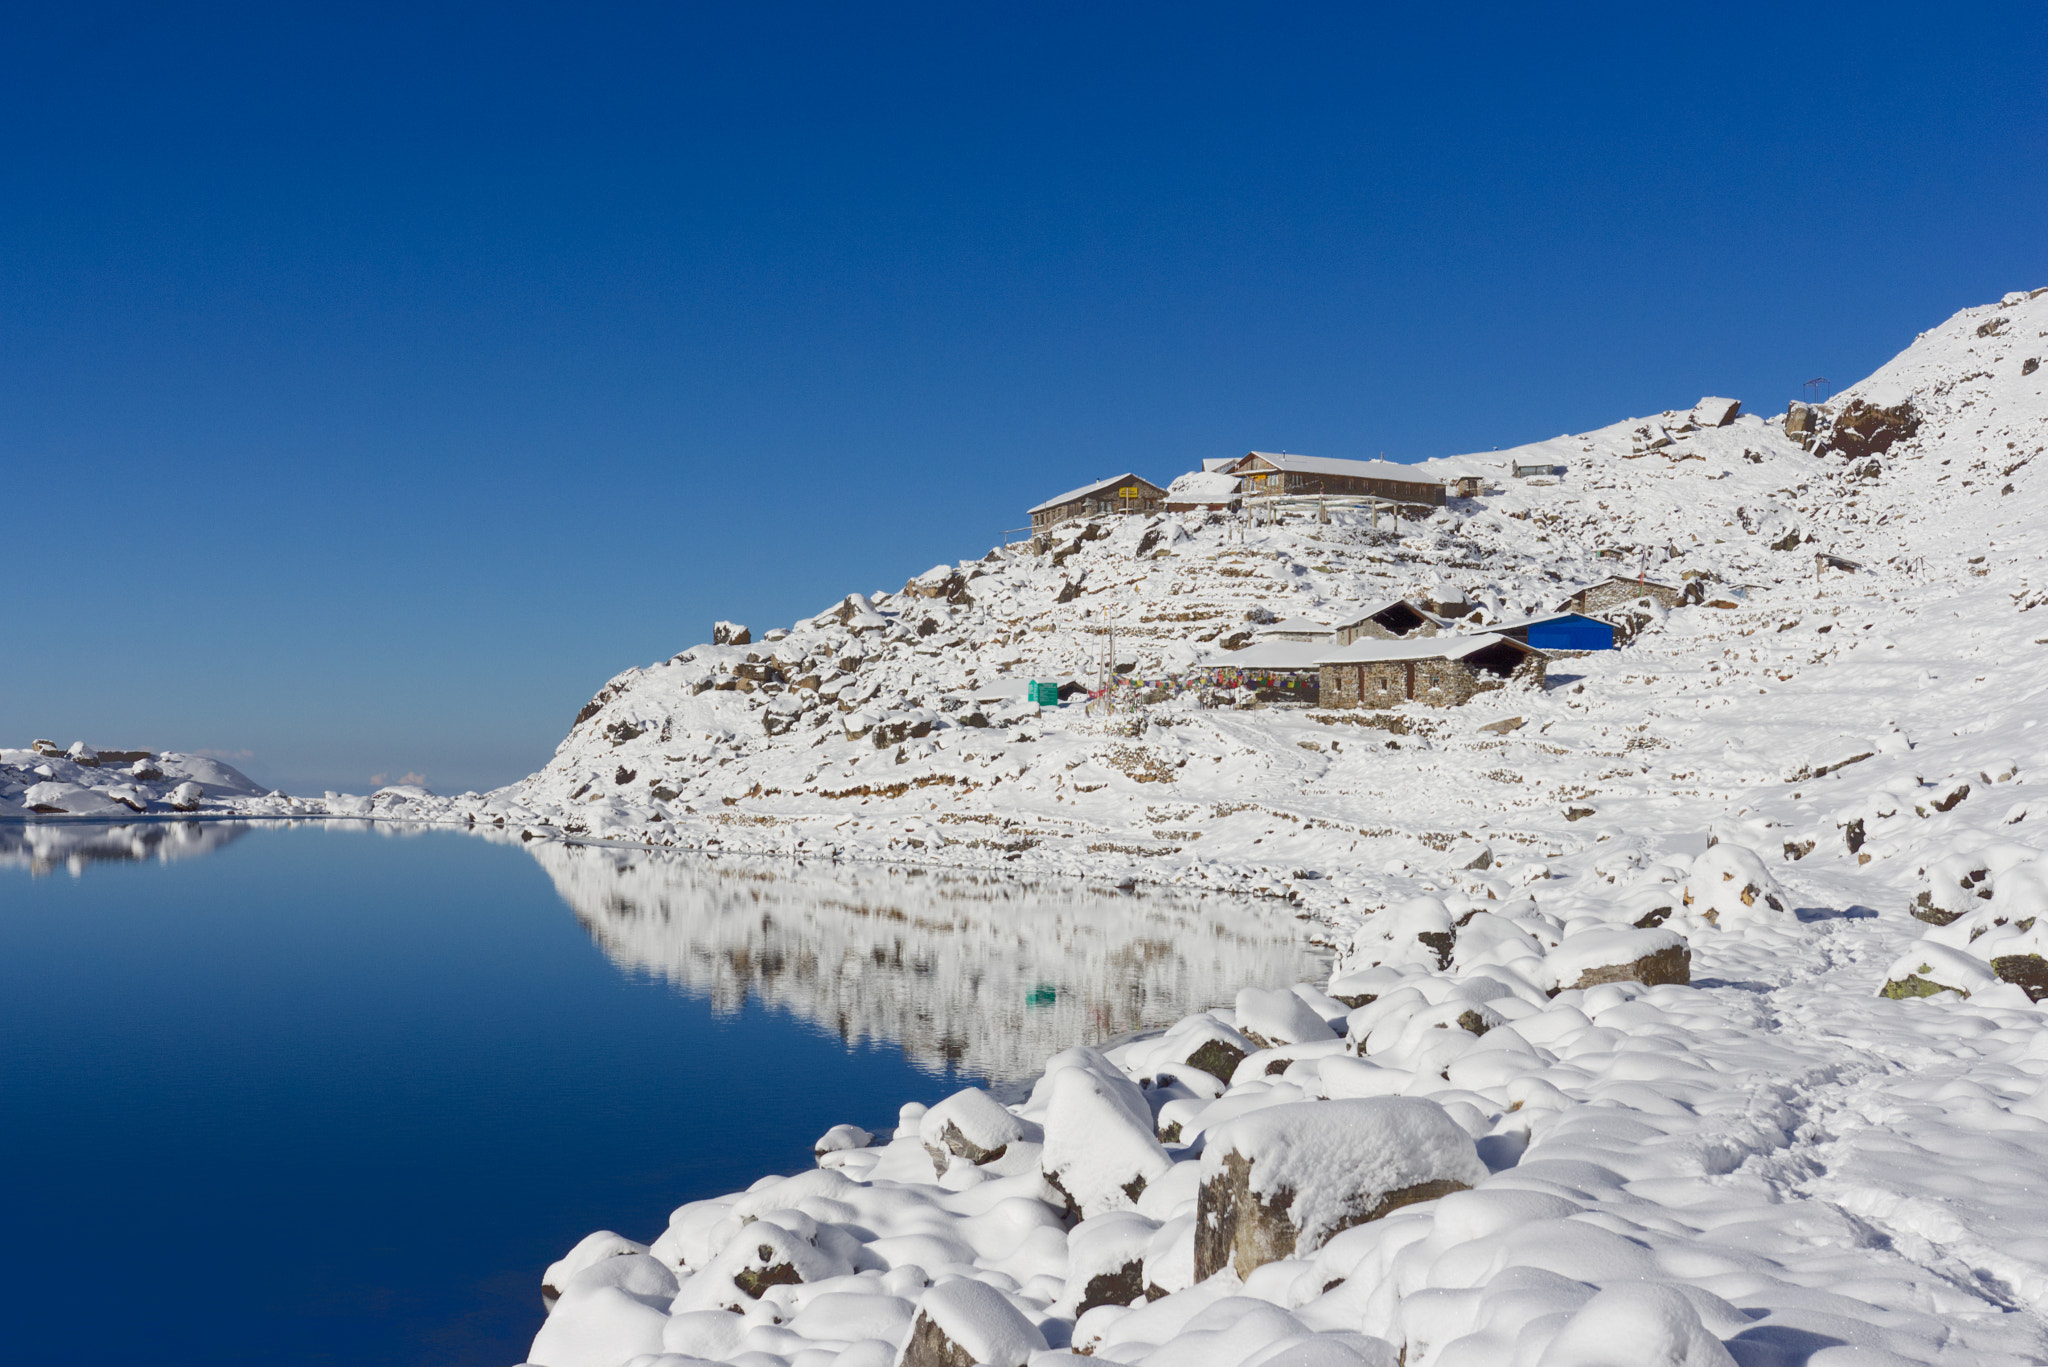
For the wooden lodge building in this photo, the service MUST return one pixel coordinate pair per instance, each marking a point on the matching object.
(1263, 472)
(1126, 493)
(1443, 671)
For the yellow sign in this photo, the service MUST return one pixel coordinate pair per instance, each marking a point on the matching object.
(1131, 491)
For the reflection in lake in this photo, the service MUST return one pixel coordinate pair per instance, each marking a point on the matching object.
(987, 975)
(44, 846)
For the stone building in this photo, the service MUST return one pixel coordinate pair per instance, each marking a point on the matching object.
(1443, 672)
(1619, 591)
(1392, 620)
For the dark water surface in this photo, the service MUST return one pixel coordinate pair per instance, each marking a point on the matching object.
(322, 1095)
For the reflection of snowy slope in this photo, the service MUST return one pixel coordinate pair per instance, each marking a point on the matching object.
(983, 974)
(40, 847)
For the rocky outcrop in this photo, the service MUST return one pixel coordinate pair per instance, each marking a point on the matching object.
(1862, 430)
(730, 634)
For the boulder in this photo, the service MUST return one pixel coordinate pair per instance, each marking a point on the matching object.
(1270, 1018)
(1100, 1149)
(1417, 932)
(973, 1125)
(901, 726)
(1213, 1047)
(1106, 1261)
(1932, 968)
(186, 797)
(83, 755)
(841, 1138)
(1729, 885)
(730, 634)
(962, 1323)
(1280, 1182)
(1957, 884)
(1802, 422)
(2028, 972)
(1715, 412)
(1621, 954)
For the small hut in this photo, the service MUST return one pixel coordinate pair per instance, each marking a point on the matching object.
(1619, 590)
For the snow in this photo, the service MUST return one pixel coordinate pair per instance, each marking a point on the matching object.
(1340, 1158)
(1415, 648)
(1832, 1145)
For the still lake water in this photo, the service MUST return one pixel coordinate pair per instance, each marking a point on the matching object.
(329, 1094)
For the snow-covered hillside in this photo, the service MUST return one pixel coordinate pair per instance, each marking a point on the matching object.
(1816, 1150)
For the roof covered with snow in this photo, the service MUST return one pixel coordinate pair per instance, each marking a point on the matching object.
(1352, 469)
(1074, 495)
(1415, 648)
(1268, 654)
(1203, 486)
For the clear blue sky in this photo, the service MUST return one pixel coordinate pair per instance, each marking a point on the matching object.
(377, 381)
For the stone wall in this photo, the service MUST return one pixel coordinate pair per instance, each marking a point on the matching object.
(1601, 597)
(1437, 682)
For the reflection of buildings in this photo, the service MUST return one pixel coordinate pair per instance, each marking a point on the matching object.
(41, 846)
(991, 976)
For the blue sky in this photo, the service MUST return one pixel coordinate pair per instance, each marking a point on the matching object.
(376, 382)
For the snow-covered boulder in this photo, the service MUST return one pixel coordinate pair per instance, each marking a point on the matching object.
(53, 797)
(730, 634)
(1106, 1261)
(1932, 968)
(965, 1322)
(1620, 954)
(1276, 1016)
(1712, 412)
(1206, 1043)
(1100, 1148)
(1415, 932)
(1729, 886)
(973, 1125)
(1955, 885)
(1278, 1183)
(842, 1139)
